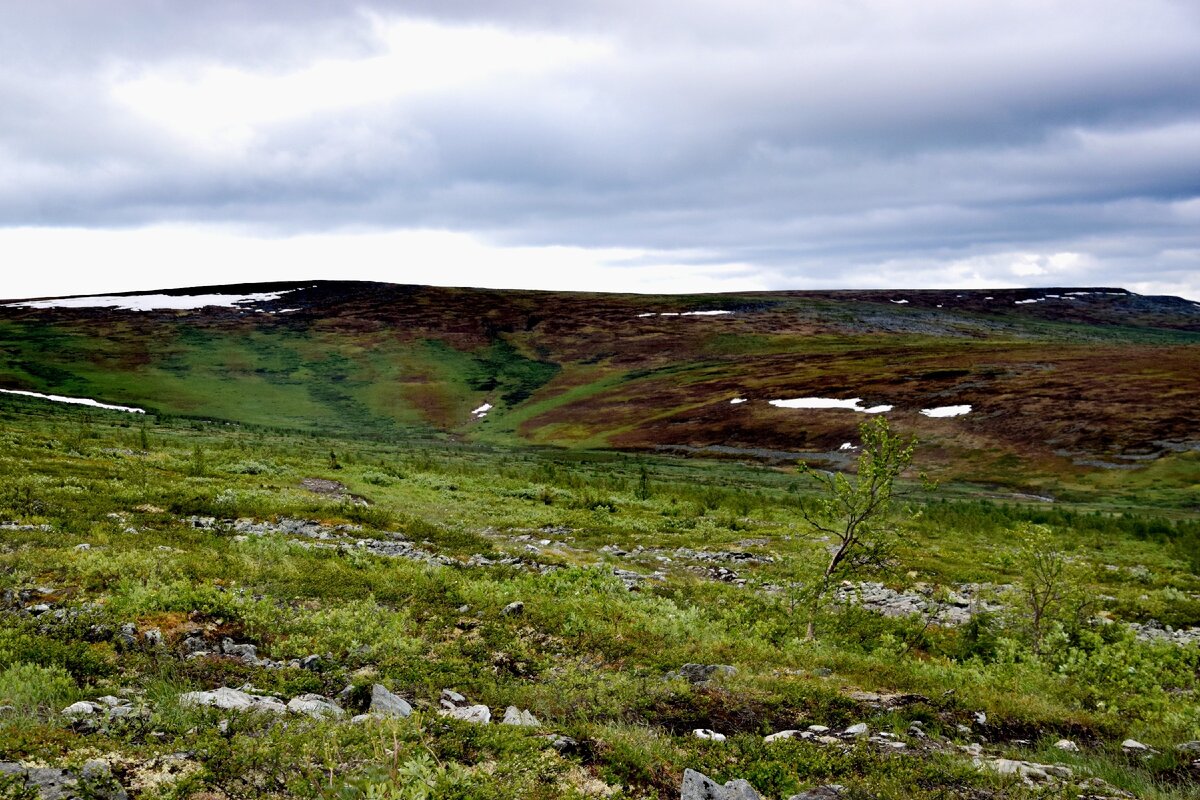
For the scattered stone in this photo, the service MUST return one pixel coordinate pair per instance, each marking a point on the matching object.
(831, 791)
(781, 735)
(1134, 746)
(311, 663)
(316, 706)
(246, 652)
(564, 744)
(83, 547)
(193, 644)
(81, 709)
(480, 715)
(386, 704)
(152, 637)
(515, 716)
(1188, 747)
(708, 733)
(451, 699)
(513, 609)
(702, 673)
(228, 699)
(858, 729)
(1027, 771)
(94, 780)
(1067, 745)
(697, 786)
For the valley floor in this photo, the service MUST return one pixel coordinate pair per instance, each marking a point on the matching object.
(211, 611)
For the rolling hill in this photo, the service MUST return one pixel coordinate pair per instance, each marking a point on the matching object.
(1065, 386)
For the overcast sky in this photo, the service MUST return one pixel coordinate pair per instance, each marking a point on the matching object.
(637, 145)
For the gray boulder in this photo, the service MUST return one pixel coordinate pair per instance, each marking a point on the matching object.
(316, 706)
(831, 791)
(480, 715)
(701, 673)
(94, 781)
(697, 786)
(386, 704)
(228, 699)
(516, 716)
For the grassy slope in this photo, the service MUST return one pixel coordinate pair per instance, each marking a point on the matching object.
(1052, 386)
(587, 657)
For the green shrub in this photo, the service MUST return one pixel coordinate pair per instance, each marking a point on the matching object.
(30, 688)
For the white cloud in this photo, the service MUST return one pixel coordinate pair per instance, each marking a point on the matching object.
(216, 107)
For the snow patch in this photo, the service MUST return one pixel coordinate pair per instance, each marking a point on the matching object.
(853, 404)
(847, 446)
(1027, 302)
(714, 313)
(946, 411)
(898, 302)
(154, 302)
(482, 411)
(735, 401)
(78, 401)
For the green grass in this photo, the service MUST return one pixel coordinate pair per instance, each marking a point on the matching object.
(587, 656)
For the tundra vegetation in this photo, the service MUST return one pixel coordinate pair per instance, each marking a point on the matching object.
(612, 604)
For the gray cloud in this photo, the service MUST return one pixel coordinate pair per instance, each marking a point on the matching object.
(863, 143)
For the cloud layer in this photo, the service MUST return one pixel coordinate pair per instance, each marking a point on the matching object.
(779, 145)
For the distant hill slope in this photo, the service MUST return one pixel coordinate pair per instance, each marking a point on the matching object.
(1064, 381)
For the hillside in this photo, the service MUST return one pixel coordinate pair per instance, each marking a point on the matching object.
(1066, 386)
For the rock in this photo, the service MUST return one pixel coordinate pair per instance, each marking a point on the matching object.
(451, 699)
(81, 709)
(311, 663)
(1188, 747)
(193, 644)
(1067, 745)
(701, 673)
(822, 672)
(513, 609)
(697, 786)
(819, 728)
(481, 715)
(780, 736)
(830, 791)
(515, 716)
(564, 744)
(857, 729)
(152, 637)
(980, 718)
(708, 733)
(97, 781)
(1134, 746)
(316, 706)
(94, 780)
(228, 699)
(385, 704)
(245, 652)
(1028, 772)
(82, 547)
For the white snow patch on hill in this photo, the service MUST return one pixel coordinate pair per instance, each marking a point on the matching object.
(853, 404)
(78, 401)
(946, 411)
(154, 302)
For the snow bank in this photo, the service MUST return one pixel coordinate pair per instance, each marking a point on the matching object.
(78, 401)
(853, 404)
(154, 302)
(946, 411)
